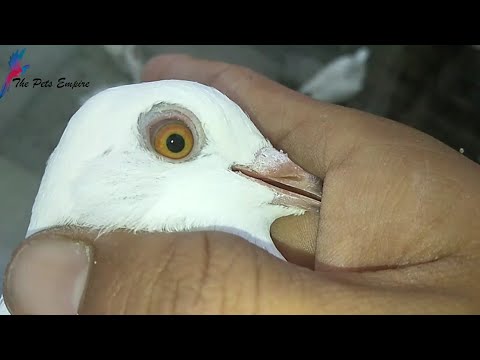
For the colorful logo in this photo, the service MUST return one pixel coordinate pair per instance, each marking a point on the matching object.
(16, 69)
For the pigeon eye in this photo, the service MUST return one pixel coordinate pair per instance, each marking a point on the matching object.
(172, 132)
(174, 141)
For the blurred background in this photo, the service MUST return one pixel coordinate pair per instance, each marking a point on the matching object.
(435, 89)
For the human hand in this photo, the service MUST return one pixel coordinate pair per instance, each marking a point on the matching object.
(396, 232)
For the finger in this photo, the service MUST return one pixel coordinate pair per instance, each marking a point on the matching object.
(295, 237)
(205, 273)
(318, 135)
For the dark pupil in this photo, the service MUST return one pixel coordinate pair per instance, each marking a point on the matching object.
(175, 143)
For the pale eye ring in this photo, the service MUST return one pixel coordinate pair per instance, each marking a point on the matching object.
(172, 132)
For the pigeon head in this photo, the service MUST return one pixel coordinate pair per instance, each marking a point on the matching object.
(169, 156)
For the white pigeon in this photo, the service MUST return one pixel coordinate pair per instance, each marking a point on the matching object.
(170, 156)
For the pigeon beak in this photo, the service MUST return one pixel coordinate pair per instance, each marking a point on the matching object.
(293, 186)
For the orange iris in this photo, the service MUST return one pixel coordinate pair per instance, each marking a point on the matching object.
(174, 141)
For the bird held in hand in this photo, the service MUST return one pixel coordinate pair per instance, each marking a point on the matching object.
(170, 156)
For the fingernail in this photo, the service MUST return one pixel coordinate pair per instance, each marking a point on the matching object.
(47, 275)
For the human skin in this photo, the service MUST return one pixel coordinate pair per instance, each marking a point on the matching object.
(397, 233)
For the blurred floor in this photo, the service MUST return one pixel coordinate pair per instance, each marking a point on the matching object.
(433, 88)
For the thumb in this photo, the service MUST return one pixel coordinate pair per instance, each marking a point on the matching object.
(70, 272)
(47, 275)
